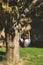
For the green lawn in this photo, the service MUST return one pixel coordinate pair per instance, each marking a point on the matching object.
(2, 49)
(2, 52)
(31, 56)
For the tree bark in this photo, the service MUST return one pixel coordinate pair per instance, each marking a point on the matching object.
(9, 50)
(12, 54)
(16, 55)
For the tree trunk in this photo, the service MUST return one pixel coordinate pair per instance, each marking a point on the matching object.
(12, 54)
(9, 47)
(9, 50)
(16, 47)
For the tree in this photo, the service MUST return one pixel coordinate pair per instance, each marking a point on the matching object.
(19, 16)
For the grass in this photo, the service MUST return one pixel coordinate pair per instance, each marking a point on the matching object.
(30, 56)
(2, 49)
(2, 52)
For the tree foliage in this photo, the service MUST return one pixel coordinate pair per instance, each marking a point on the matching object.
(24, 11)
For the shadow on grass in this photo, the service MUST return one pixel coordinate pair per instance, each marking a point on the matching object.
(1, 58)
(2, 54)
